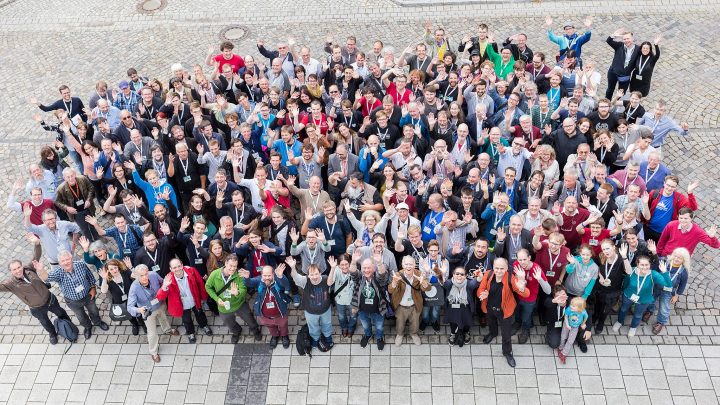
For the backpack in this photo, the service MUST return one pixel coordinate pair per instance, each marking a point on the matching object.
(67, 329)
(303, 343)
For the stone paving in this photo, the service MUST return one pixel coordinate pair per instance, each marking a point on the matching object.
(44, 44)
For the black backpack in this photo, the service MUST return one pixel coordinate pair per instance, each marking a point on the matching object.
(67, 329)
(303, 342)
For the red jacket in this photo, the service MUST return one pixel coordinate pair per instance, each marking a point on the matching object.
(197, 288)
(679, 201)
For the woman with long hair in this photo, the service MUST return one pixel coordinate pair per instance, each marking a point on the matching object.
(678, 267)
(118, 281)
(217, 256)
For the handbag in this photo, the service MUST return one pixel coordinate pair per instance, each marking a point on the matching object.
(119, 312)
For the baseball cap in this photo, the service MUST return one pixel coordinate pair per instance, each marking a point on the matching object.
(402, 206)
(123, 84)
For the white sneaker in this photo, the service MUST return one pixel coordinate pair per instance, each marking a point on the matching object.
(616, 326)
(398, 340)
(416, 339)
(631, 332)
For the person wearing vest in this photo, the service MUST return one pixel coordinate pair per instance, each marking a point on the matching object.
(185, 292)
(406, 298)
(498, 302)
(271, 301)
(369, 301)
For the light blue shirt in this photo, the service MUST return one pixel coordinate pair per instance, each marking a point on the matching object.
(660, 128)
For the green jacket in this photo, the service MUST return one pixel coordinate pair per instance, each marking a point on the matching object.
(215, 283)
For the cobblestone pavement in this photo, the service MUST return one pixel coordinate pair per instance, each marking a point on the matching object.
(45, 44)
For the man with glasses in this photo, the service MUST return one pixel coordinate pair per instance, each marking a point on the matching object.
(666, 203)
(479, 43)
(104, 110)
(341, 165)
(603, 118)
(514, 157)
(509, 115)
(282, 53)
(583, 162)
(653, 171)
(128, 237)
(73, 105)
(349, 52)
(121, 134)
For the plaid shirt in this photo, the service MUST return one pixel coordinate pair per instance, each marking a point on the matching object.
(75, 285)
(127, 243)
(127, 103)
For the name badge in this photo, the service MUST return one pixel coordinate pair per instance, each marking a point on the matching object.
(199, 260)
(668, 289)
(550, 274)
(558, 324)
(154, 301)
(427, 230)
(226, 294)
(155, 268)
(639, 77)
(513, 257)
(456, 306)
(80, 203)
(288, 163)
(493, 232)
(607, 282)
(270, 305)
(186, 179)
(593, 242)
(635, 298)
(124, 297)
(79, 288)
(331, 242)
(127, 252)
(369, 301)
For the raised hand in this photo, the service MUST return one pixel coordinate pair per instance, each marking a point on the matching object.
(571, 258)
(167, 281)
(127, 262)
(84, 243)
(291, 261)
(294, 235)
(692, 186)
(624, 250)
(519, 272)
(280, 270)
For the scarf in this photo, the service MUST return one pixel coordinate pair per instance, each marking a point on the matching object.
(458, 293)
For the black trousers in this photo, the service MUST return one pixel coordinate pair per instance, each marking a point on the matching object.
(188, 321)
(553, 335)
(612, 82)
(41, 313)
(604, 301)
(495, 321)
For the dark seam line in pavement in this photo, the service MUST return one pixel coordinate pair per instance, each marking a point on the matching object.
(249, 374)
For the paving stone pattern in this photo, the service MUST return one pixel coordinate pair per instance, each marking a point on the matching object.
(82, 42)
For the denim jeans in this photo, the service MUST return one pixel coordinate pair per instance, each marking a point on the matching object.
(41, 313)
(637, 315)
(369, 320)
(319, 323)
(524, 311)
(430, 314)
(86, 311)
(347, 320)
(663, 301)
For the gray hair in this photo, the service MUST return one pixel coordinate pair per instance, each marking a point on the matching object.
(98, 245)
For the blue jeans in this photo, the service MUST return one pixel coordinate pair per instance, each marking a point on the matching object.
(369, 320)
(663, 301)
(347, 320)
(637, 315)
(319, 323)
(524, 311)
(77, 159)
(430, 314)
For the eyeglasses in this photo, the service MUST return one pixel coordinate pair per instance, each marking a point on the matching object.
(460, 274)
(126, 118)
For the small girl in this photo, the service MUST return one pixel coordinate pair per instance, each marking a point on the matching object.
(575, 317)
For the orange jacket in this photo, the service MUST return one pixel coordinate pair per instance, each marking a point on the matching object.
(508, 299)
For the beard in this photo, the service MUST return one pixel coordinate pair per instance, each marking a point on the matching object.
(354, 193)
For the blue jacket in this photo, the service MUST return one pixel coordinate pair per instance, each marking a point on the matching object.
(280, 289)
(364, 163)
(574, 42)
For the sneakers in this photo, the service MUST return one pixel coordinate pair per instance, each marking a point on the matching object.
(631, 332)
(523, 336)
(234, 339)
(296, 300)
(155, 358)
(616, 327)
(173, 332)
(285, 342)
(561, 356)
(192, 338)
(467, 338)
(381, 344)
(657, 328)
(436, 326)
(273, 342)
(451, 339)
(398, 340)
(364, 341)
(415, 339)
(208, 331)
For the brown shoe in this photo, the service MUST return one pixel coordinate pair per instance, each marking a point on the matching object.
(657, 328)
(173, 332)
(155, 358)
(646, 316)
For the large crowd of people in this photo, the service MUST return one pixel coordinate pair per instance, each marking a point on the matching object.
(472, 184)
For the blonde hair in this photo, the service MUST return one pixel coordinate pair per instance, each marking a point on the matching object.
(685, 255)
(578, 302)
